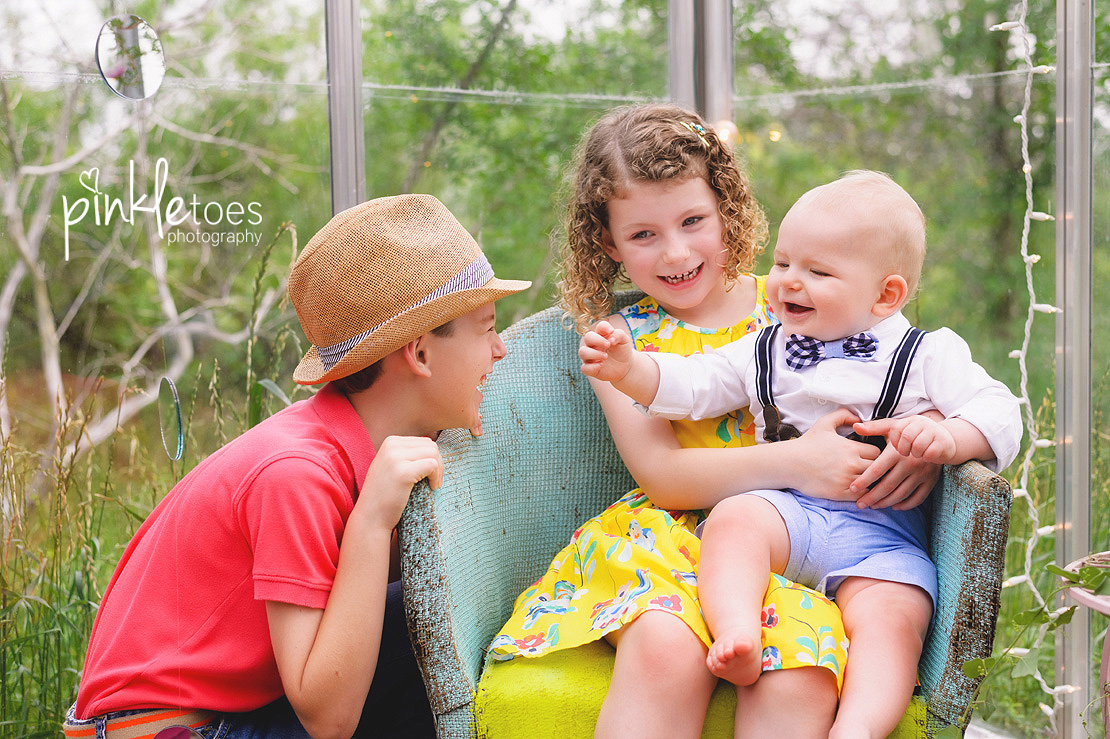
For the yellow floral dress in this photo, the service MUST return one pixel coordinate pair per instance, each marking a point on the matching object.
(634, 557)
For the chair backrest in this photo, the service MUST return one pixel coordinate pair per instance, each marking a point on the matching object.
(510, 500)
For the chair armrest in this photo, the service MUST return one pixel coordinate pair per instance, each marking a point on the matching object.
(510, 500)
(971, 521)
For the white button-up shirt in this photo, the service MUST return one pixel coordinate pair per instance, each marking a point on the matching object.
(942, 376)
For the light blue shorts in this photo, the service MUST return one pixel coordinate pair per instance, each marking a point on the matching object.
(831, 540)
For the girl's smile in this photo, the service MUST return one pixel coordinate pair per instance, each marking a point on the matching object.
(684, 277)
(668, 236)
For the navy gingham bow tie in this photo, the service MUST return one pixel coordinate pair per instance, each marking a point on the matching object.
(802, 351)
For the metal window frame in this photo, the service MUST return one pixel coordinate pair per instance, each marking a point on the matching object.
(346, 143)
(1074, 27)
(700, 58)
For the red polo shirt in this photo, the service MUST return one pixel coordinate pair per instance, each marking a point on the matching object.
(183, 622)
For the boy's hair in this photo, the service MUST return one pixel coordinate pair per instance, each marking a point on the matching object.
(885, 206)
(356, 382)
(647, 143)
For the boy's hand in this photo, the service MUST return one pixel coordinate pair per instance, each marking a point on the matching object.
(401, 462)
(914, 436)
(606, 353)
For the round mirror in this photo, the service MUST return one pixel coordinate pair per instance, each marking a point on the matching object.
(169, 416)
(130, 57)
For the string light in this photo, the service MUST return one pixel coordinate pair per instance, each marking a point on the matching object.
(1021, 489)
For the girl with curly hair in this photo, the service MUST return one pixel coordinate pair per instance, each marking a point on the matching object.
(659, 200)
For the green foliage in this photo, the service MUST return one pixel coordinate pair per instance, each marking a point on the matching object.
(496, 161)
(51, 561)
(1017, 663)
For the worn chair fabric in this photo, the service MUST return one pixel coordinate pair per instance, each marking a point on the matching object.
(546, 462)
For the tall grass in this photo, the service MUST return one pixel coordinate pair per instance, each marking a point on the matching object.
(64, 522)
(52, 561)
(1012, 700)
(63, 533)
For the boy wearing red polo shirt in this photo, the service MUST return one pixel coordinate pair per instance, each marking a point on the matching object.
(255, 600)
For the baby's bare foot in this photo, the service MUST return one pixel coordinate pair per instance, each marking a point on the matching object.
(736, 657)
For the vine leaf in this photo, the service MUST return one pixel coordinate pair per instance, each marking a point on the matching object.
(1026, 665)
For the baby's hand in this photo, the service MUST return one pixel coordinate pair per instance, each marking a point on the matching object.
(914, 436)
(606, 352)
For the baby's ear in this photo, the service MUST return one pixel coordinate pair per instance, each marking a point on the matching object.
(893, 293)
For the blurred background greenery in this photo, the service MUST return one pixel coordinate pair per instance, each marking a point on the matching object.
(480, 103)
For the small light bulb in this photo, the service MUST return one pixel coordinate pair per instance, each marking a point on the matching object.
(727, 132)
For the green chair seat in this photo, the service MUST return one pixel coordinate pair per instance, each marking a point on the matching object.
(528, 698)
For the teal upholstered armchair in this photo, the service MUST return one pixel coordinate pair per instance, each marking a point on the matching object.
(511, 499)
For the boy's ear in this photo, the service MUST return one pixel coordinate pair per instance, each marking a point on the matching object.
(608, 246)
(893, 293)
(415, 356)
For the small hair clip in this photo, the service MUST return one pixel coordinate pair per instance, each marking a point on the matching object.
(699, 130)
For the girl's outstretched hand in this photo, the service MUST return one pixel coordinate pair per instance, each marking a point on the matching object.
(606, 352)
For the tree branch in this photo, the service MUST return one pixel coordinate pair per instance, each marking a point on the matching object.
(432, 136)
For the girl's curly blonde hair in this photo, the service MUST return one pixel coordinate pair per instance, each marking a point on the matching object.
(655, 142)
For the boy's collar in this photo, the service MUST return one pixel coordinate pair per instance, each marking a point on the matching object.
(343, 422)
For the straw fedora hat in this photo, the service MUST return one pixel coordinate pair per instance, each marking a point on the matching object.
(381, 274)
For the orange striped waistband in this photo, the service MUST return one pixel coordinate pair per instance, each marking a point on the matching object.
(140, 725)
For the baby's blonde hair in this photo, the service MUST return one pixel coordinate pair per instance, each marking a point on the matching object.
(886, 209)
(647, 143)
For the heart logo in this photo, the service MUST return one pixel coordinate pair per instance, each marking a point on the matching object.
(94, 174)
